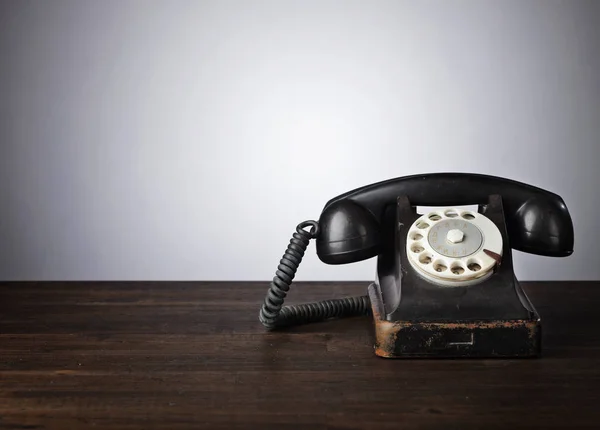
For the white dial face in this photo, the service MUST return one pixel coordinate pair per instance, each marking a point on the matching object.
(448, 247)
(455, 238)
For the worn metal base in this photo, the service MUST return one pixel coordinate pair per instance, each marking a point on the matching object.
(480, 338)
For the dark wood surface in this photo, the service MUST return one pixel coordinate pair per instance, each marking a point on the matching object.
(193, 355)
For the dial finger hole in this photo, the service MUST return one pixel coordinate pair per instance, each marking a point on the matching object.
(416, 236)
(422, 225)
(468, 215)
(473, 265)
(457, 269)
(440, 266)
(434, 217)
(451, 213)
(416, 248)
(425, 259)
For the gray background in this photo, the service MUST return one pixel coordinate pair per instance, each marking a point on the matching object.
(186, 139)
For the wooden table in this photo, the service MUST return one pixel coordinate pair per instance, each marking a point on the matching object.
(193, 355)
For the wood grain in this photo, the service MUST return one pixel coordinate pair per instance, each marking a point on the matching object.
(174, 355)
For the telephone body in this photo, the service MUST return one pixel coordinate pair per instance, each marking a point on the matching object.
(445, 285)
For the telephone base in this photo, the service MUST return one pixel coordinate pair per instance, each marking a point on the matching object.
(502, 338)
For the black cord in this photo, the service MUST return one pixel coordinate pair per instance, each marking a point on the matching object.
(273, 314)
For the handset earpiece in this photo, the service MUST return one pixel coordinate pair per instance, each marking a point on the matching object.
(543, 227)
(348, 233)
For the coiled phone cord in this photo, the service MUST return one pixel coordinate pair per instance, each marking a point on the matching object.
(273, 314)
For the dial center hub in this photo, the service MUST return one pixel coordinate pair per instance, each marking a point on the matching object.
(455, 236)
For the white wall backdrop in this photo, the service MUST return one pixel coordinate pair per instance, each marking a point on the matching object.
(184, 140)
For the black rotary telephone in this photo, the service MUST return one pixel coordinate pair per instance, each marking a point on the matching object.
(445, 284)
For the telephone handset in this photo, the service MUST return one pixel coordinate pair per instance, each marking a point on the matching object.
(445, 284)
